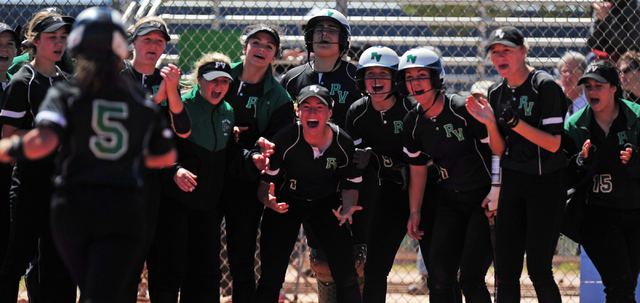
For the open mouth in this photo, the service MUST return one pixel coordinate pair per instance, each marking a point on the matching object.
(4, 59)
(594, 101)
(503, 66)
(377, 89)
(259, 57)
(313, 123)
(58, 52)
(417, 92)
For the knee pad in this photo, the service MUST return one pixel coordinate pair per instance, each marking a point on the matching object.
(326, 286)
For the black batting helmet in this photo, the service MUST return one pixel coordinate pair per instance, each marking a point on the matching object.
(97, 33)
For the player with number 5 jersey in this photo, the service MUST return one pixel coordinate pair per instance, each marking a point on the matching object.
(107, 132)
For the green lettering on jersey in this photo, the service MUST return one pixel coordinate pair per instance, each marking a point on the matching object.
(528, 106)
(412, 58)
(397, 127)
(376, 56)
(622, 137)
(252, 103)
(111, 139)
(335, 90)
(388, 162)
(342, 97)
(448, 128)
(331, 162)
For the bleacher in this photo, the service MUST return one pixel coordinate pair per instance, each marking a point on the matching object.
(460, 39)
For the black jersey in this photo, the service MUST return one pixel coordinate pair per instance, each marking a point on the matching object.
(104, 137)
(382, 131)
(540, 102)
(243, 98)
(340, 83)
(150, 82)
(612, 185)
(307, 174)
(24, 94)
(456, 142)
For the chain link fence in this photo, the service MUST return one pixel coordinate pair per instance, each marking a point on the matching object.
(457, 28)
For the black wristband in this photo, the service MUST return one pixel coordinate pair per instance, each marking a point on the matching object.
(181, 122)
(514, 122)
(17, 149)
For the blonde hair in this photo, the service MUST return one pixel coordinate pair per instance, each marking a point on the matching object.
(204, 59)
(31, 35)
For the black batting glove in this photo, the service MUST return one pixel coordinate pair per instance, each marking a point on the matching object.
(361, 157)
(509, 117)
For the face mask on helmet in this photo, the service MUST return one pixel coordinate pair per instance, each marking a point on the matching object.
(377, 56)
(331, 15)
(97, 33)
(420, 57)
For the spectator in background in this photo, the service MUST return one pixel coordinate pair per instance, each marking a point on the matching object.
(614, 29)
(571, 67)
(629, 68)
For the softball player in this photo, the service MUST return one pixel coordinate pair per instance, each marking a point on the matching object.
(375, 121)
(261, 107)
(441, 129)
(312, 168)
(149, 39)
(31, 193)
(8, 48)
(605, 138)
(327, 36)
(97, 210)
(188, 222)
(524, 118)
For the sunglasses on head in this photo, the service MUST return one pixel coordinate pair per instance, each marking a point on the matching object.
(634, 65)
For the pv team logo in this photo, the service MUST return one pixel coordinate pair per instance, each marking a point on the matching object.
(499, 33)
(314, 88)
(376, 56)
(226, 126)
(592, 69)
(221, 65)
(57, 19)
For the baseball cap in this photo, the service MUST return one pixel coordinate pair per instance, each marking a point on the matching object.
(53, 23)
(214, 70)
(5, 28)
(601, 72)
(150, 26)
(267, 30)
(317, 91)
(507, 36)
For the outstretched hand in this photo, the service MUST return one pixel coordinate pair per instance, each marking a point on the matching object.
(261, 160)
(269, 200)
(480, 109)
(346, 214)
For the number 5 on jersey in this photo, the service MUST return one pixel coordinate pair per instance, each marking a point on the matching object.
(112, 138)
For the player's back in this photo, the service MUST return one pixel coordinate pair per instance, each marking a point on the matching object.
(107, 134)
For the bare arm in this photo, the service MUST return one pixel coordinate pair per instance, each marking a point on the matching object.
(8, 131)
(417, 184)
(159, 161)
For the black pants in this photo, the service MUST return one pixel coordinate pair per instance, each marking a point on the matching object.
(242, 211)
(5, 217)
(611, 238)
(184, 236)
(460, 240)
(388, 229)
(529, 215)
(279, 234)
(30, 237)
(99, 232)
(152, 194)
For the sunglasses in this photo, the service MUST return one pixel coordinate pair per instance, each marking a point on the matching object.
(631, 67)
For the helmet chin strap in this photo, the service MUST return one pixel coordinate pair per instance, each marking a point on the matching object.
(434, 99)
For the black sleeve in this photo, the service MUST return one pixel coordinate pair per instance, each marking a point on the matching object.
(282, 117)
(350, 127)
(15, 102)
(161, 141)
(181, 122)
(553, 105)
